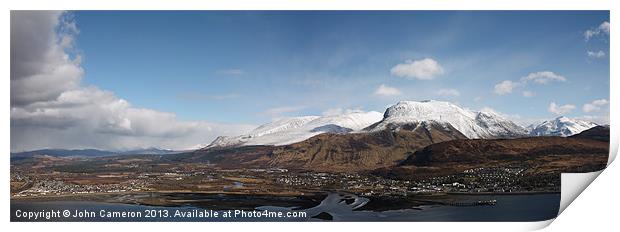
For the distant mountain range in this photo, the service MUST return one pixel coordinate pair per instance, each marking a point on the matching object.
(426, 122)
(404, 114)
(90, 152)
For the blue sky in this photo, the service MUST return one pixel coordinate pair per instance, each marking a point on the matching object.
(178, 79)
(236, 66)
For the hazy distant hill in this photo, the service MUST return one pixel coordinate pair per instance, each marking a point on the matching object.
(88, 153)
(64, 152)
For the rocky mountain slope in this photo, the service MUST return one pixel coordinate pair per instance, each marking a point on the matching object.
(350, 152)
(583, 153)
(600, 133)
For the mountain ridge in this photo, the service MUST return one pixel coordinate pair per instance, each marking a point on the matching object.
(584, 152)
(473, 124)
(482, 124)
(561, 126)
(296, 129)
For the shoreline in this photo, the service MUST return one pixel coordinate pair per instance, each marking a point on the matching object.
(110, 197)
(287, 194)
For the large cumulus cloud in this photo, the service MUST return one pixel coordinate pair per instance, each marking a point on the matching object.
(50, 108)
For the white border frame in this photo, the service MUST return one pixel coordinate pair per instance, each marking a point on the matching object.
(586, 212)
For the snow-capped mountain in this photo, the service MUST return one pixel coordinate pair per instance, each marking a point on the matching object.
(484, 124)
(473, 124)
(561, 126)
(499, 126)
(296, 129)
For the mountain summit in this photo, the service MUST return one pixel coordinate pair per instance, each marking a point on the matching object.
(472, 124)
(561, 126)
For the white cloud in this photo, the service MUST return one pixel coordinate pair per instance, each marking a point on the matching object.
(448, 93)
(88, 117)
(424, 69)
(385, 90)
(51, 109)
(600, 102)
(527, 93)
(41, 69)
(505, 87)
(602, 29)
(560, 109)
(594, 105)
(597, 54)
(543, 77)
